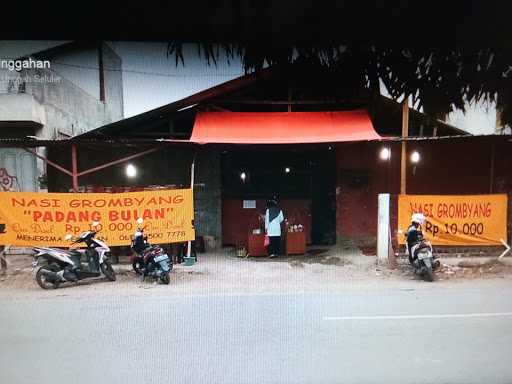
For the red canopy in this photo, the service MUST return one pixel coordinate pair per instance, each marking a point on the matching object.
(282, 127)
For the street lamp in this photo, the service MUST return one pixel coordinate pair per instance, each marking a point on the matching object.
(287, 170)
(385, 153)
(415, 157)
(243, 176)
(131, 171)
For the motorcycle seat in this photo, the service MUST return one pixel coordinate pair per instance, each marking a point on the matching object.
(422, 246)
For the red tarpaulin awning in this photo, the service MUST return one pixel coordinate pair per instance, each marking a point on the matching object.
(282, 127)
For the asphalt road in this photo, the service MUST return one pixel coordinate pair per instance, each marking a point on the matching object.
(437, 335)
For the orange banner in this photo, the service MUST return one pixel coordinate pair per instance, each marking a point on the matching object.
(44, 219)
(456, 220)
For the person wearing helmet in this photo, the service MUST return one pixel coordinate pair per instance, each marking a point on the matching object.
(414, 234)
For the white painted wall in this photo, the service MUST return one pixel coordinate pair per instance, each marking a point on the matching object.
(21, 165)
(81, 68)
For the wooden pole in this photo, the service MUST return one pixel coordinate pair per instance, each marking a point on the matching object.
(74, 168)
(405, 134)
(192, 175)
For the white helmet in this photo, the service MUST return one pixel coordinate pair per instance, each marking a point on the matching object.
(418, 218)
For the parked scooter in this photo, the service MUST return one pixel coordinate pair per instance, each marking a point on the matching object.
(424, 262)
(149, 260)
(139, 245)
(58, 265)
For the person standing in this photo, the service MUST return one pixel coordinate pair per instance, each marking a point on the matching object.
(273, 219)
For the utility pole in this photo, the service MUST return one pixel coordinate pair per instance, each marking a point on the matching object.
(405, 134)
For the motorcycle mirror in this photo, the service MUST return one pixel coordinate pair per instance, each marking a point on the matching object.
(140, 220)
(95, 223)
(68, 237)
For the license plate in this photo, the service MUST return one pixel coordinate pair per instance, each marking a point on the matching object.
(161, 258)
(423, 255)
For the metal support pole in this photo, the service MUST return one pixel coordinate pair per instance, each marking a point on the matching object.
(74, 168)
(51, 163)
(192, 175)
(122, 160)
(405, 134)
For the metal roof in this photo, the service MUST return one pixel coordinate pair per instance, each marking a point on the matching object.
(33, 143)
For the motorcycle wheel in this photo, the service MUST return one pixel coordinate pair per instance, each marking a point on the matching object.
(429, 272)
(137, 266)
(108, 271)
(165, 279)
(42, 280)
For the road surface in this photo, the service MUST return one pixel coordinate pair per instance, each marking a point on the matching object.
(438, 334)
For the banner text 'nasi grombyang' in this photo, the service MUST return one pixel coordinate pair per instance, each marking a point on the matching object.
(44, 219)
(472, 220)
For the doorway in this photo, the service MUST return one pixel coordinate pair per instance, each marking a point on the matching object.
(303, 181)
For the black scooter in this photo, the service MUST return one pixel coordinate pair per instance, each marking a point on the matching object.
(149, 260)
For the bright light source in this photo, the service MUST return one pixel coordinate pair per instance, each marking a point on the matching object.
(130, 170)
(243, 176)
(385, 153)
(415, 157)
(287, 169)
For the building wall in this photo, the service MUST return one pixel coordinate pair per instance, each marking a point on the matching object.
(21, 165)
(20, 107)
(61, 101)
(207, 194)
(81, 68)
(446, 167)
(169, 166)
(113, 76)
(361, 177)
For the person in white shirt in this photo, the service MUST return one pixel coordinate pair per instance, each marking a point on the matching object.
(273, 219)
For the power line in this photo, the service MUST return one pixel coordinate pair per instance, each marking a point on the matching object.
(146, 72)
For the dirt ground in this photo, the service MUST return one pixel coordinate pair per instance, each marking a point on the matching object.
(322, 269)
